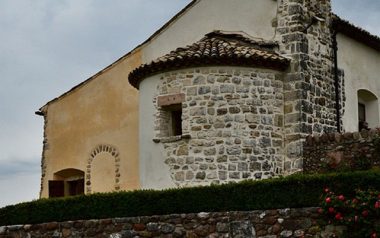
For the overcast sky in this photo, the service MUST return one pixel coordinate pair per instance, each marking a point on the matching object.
(49, 46)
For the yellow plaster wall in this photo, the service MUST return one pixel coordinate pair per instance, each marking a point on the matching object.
(103, 164)
(102, 111)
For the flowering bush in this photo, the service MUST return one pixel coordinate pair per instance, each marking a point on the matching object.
(360, 213)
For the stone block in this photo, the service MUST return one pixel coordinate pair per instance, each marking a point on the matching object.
(199, 80)
(234, 175)
(222, 175)
(234, 110)
(198, 111)
(212, 175)
(251, 118)
(292, 118)
(242, 229)
(221, 111)
(266, 120)
(189, 175)
(279, 120)
(167, 100)
(234, 150)
(204, 90)
(183, 150)
(221, 159)
(210, 151)
(242, 166)
(201, 175)
(227, 88)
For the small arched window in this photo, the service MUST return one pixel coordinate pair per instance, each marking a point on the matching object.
(368, 109)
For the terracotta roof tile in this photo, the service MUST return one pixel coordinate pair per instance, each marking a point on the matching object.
(216, 48)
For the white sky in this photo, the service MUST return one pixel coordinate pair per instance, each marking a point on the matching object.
(48, 46)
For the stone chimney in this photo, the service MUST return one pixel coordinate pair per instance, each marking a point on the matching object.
(305, 35)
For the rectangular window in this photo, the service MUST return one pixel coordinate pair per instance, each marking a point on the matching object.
(170, 114)
(176, 121)
(174, 112)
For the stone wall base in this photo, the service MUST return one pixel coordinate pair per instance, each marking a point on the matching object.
(302, 222)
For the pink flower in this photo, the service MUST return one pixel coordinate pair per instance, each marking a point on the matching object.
(328, 200)
(341, 197)
(327, 190)
(320, 210)
(331, 210)
(377, 204)
(338, 216)
(373, 235)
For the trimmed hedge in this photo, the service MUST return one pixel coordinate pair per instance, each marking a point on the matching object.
(289, 192)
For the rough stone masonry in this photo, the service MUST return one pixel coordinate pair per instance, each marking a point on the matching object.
(302, 222)
(234, 117)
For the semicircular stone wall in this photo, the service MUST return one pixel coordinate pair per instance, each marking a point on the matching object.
(232, 125)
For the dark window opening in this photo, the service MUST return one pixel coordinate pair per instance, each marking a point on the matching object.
(56, 188)
(362, 117)
(76, 187)
(362, 112)
(175, 119)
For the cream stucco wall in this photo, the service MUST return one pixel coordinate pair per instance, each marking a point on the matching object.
(154, 173)
(103, 164)
(102, 111)
(254, 17)
(361, 68)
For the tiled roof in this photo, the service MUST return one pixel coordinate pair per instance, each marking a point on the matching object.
(355, 32)
(216, 48)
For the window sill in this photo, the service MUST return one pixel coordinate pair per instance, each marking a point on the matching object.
(171, 139)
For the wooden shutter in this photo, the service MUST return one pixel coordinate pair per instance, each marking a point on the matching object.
(56, 188)
(76, 187)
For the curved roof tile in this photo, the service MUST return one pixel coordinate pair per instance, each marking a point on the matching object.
(216, 48)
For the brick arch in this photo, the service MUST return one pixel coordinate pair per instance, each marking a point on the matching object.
(103, 148)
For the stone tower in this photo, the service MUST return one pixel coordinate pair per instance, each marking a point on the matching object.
(305, 35)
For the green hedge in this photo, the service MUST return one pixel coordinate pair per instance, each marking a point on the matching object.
(292, 191)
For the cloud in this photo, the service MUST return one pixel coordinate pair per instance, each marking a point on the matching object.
(14, 167)
(364, 14)
(50, 46)
(23, 188)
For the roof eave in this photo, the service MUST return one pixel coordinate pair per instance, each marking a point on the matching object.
(140, 74)
(345, 27)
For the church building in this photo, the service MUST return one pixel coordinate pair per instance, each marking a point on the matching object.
(227, 90)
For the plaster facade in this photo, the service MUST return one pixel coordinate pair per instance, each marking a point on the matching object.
(360, 65)
(101, 112)
(255, 18)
